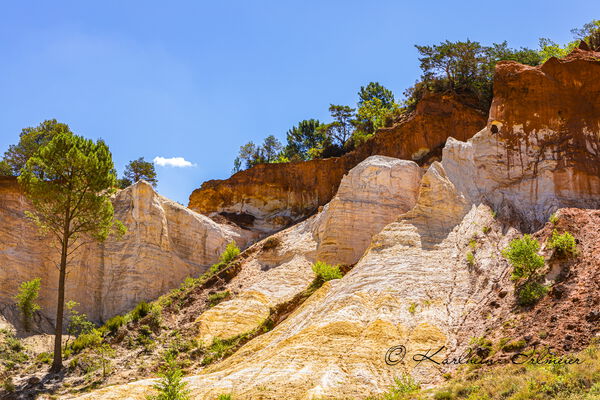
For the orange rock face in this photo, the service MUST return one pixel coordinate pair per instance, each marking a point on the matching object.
(541, 149)
(268, 197)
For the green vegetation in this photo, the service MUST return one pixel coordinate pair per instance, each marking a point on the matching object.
(564, 245)
(86, 341)
(590, 33)
(78, 323)
(325, 272)
(69, 182)
(513, 345)
(522, 254)
(404, 387)
(26, 300)
(531, 381)
(412, 308)
(140, 311)
(115, 323)
(44, 358)
(486, 229)
(12, 351)
(224, 397)
(553, 219)
(527, 381)
(216, 298)
(530, 292)
(465, 68)
(311, 139)
(30, 141)
(231, 252)
(137, 170)
(470, 258)
(226, 258)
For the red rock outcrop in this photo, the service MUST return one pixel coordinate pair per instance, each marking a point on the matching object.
(271, 196)
(541, 149)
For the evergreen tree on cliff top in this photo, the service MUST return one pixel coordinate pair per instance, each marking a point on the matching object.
(137, 170)
(30, 141)
(69, 182)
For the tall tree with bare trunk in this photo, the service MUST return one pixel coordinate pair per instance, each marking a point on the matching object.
(69, 182)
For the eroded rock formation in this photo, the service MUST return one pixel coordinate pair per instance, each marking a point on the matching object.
(541, 149)
(374, 193)
(269, 197)
(165, 243)
(415, 285)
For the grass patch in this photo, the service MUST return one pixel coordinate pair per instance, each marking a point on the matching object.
(529, 381)
(216, 298)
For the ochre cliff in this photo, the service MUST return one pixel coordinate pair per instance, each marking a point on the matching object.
(371, 195)
(165, 243)
(414, 285)
(541, 149)
(268, 197)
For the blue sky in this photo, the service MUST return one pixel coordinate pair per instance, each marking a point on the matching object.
(197, 79)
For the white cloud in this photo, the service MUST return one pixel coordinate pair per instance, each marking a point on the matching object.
(177, 162)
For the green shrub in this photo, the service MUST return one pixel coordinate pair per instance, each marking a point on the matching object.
(170, 386)
(564, 245)
(26, 300)
(522, 254)
(78, 323)
(553, 219)
(231, 252)
(45, 358)
(470, 258)
(224, 397)
(216, 298)
(86, 341)
(486, 229)
(115, 323)
(140, 311)
(530, 292)
(326, 272)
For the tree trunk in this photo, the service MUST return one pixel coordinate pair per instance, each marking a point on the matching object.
(57, 363)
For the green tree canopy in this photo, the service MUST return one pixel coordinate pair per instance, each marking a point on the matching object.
(302, 138)
(340, 130)
(137, 170)
(590, 33)
(30, 141)
(464, 67)
(69, 182)
(271, 148)
(374, 90)
(376, 108)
